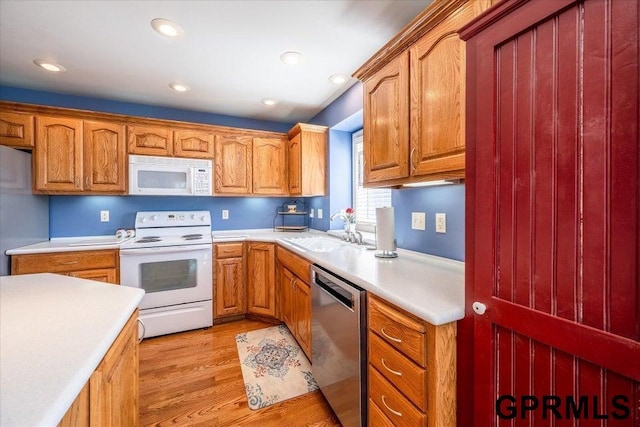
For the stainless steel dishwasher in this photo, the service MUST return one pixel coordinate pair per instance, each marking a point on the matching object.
(339, 346)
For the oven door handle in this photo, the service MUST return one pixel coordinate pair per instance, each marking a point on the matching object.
(164, 250)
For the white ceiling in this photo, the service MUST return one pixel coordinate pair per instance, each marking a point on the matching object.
(229, 54)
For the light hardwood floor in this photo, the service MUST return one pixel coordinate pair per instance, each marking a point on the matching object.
(194, 379)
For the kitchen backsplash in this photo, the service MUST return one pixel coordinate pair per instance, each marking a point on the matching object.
(80, 215)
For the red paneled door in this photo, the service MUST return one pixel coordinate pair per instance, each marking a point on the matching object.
(553, 214)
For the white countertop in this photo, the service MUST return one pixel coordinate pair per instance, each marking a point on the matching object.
(54, 331)
(68, 244)
(428, 286)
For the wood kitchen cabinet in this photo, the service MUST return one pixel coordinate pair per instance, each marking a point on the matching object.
(261, 280)
(233, 164)
(412, 368)
(307, 152)
(16, 129)
(110, 397)
(248, 164)
(198, 144)
(229, 294)
(73, 156)
(295, 293)
(270, 166)
(101, 265)
(414, 99)
(150, 140)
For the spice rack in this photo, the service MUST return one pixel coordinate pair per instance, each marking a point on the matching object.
(291, 216)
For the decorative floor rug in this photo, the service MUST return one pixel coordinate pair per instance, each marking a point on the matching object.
(274, 368)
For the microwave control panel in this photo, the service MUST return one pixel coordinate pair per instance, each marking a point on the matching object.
(202, 182)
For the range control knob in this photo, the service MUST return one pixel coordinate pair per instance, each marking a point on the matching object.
(154, 217)
(193, 216)
(143, 219)
(202, 218)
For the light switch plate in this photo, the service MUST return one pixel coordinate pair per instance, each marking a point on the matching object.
(311, 213)
(441, 223)
(418, 221)
(225, 214)
(104, 216)
(319, 213)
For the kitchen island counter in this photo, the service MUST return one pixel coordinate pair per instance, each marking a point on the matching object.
(54, 332)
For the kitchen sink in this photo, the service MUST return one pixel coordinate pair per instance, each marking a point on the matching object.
(317, 244)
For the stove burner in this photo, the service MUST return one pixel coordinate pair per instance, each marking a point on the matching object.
(192, 237)
(150, 239)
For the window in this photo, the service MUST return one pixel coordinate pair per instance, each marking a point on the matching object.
(365, 200)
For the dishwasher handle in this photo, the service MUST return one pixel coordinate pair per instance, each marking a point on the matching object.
(334, 289)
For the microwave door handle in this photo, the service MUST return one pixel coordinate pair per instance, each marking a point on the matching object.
(163, 250)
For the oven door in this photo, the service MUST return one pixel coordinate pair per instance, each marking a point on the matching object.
(169, 275)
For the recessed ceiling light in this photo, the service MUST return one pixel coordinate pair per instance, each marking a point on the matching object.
(291, 58)
(179, 87)
(269, 101)
(49, 65)
(167, 28)
(338, 79)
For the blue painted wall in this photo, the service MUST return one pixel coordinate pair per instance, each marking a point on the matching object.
(80, 215)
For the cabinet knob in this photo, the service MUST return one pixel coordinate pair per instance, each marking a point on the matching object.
(479, 308)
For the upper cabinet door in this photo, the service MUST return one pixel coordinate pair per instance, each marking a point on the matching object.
(16, 130)
(386, 122)
(58, 155)
(105, 157)
(295, 168)
(150, 140)
(193, 143)
(269, 166)
(233, 159)
(438, 98)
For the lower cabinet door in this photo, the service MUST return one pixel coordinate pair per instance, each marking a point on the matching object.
(302, 303)
(261, 286)
(107, 275)
(230, 295)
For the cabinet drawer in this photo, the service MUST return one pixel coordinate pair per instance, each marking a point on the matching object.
(62, 262)
(228, 250)
(392, 403)
(398, 329)
(405, 375)
(377, 418)
(299, 266)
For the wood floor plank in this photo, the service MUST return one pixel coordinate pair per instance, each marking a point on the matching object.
(194, 379)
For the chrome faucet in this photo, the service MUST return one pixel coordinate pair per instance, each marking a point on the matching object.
(351, 236)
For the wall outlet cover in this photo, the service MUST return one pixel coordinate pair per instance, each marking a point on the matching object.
(418, 221)
(441, 223)
(311, 213)
(319, 213)
(225, 214)
(104, 216)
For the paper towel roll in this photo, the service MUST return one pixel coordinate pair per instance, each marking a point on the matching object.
(385, 230)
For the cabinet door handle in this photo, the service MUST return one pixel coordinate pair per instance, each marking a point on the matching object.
(394, 412)
(398, 340)
(398, 373)
(413, 151)
(67, 262)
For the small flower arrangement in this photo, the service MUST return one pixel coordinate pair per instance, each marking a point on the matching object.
(351, 215)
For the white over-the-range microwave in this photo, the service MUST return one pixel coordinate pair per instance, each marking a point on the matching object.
(170, 176)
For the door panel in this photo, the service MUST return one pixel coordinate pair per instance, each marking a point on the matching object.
(553, 219)
(105, 157)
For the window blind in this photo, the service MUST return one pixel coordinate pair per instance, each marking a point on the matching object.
(365, 200)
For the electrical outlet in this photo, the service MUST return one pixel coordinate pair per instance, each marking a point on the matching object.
(319, 213)
(311, 213)
(418, 221)
(104, 216)
(441, 223)
(225, 214)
